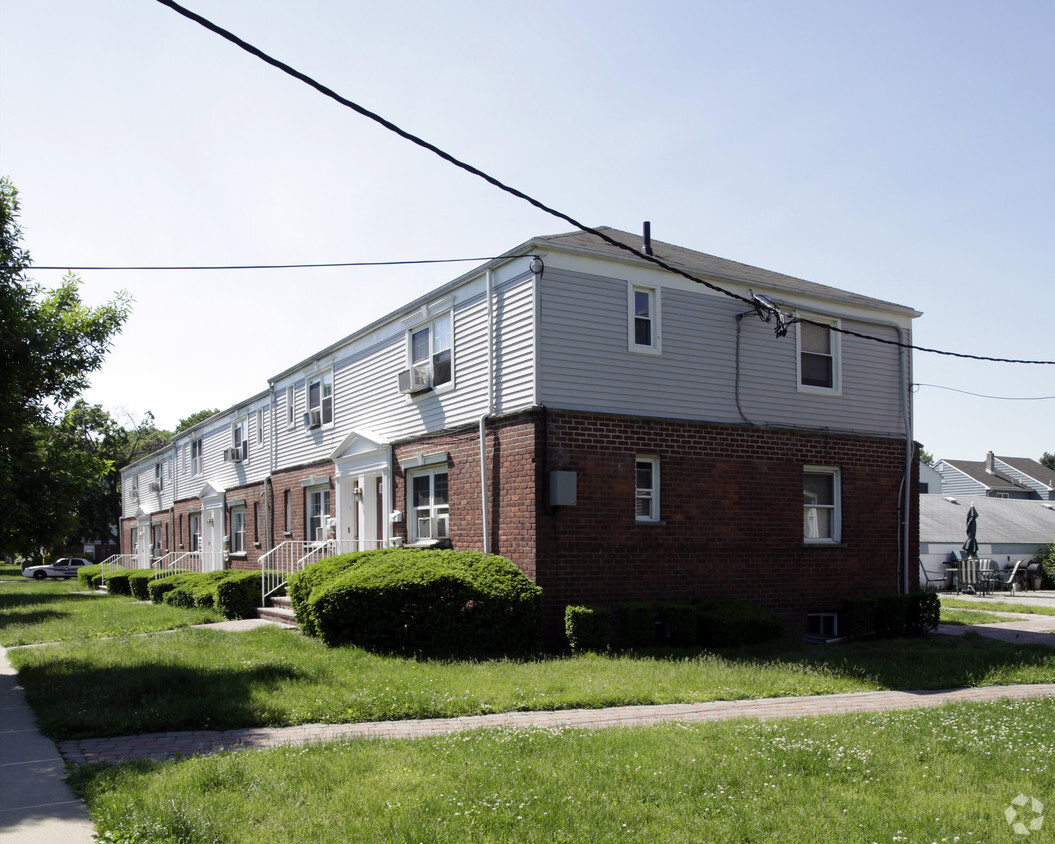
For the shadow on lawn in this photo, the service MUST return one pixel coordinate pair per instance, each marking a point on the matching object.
(932, 662)
(32, 608)
(144, 698)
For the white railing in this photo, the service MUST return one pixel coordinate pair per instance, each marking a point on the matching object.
(282, 561)
(117, 562)
(187, 561)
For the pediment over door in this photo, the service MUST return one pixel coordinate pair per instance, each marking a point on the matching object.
(361, 451)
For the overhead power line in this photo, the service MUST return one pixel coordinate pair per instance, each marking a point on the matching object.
(983, 396)
(446, 156)
(275, 266)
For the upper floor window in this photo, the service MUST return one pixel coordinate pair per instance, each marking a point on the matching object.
(646, 489)
(240, 438)
(643, 319)
(320, 397)
(291, 408)
(195, 457)
(431, 348)
(259, 427)
(822, 506)
(818, 356)
(159, 476)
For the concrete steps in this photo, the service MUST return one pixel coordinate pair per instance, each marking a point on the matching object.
(280, 609)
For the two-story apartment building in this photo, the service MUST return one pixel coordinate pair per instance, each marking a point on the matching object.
(619, 431)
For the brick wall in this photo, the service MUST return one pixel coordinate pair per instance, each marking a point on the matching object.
(731, 512)
(292, 480)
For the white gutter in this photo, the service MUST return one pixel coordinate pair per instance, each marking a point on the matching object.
(489, 411)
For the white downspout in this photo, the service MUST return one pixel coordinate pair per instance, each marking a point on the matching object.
(489, 411)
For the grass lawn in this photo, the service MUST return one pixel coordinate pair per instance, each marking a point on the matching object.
(955, 615)
(34, 611)
(916, 776)
(996, 606)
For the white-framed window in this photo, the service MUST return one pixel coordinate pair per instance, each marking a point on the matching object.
(238, 530)
(818, 350)
(259, 427)
(431, 346)
(240, 438)
(429, 504)
(317, 506)
(194, 526)
(196, 465)
(288, 507)
(821, 504)
(643, 319)
(646, 488)
(291, 407)
(320, 396)
(159, 475)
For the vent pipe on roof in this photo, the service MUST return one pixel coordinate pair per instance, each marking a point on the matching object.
(648, 238)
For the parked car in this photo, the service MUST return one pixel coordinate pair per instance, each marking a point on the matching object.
(65, 567)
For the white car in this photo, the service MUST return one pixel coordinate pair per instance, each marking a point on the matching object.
(63, 567)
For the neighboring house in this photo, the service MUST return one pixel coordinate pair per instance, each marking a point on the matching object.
(1029, 473)
(992, 478)
(930, 480)
(619, 432)
(1009, 529)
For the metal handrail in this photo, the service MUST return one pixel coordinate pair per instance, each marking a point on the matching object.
(291, 556)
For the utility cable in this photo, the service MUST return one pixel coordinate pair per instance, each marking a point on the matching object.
(277, 266)
(983, 396)
(446, 156)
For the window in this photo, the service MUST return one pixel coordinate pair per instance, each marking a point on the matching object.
(818, 358)
(430, 347)
(289, 512)
(240, 438)
(194, 523)
(159, 476)
(195, 457)
(320, 397)
(429, 507)
(259, 426)
(646, 489)
(318, 507)
(643, 319)
(291, 408)
(821, 516)
(238, 530)
(256, 523)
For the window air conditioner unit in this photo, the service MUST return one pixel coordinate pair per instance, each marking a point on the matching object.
(232, 455)
(313, 419)
(414, 380)
(155, 486)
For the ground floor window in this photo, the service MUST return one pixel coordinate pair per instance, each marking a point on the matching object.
(194, 522)
(821, 494)
(429, 507)
(318, 509)
(238, 530)
(646, 489)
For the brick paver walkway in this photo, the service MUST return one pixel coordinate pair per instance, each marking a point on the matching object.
(160, 745)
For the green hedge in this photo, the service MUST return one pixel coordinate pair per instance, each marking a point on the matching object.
(637, 623)
(85, 575)
(238, 595)
(434, 601)
(679, 624)
(303, 583)
(727, 622)
(117, 583)
(587, 627)
(888, 615)
(139, 583)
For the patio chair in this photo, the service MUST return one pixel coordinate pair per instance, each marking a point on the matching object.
(968, 578)
(933, 582)
(1006, 579)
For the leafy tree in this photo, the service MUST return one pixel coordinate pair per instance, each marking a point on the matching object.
(1048, 460)
(50, 342)
(926, 457)
(194, 419)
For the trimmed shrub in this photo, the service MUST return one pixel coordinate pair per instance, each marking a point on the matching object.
(637, 623)
(679, 624)
(181, 596)
(587, 627)
(85, 575)
(428, 601)
(858, 616)
(161, 586)
(117, 583)
(891, 615)
(728, 622)
(924, 612)
(238, 595)
(139, 583)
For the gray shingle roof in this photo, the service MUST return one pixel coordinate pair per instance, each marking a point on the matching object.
(1000, 520)
(975, 470)
(717, 269)
(1032, 469)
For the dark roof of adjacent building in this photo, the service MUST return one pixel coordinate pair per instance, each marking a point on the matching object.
(1032, 469)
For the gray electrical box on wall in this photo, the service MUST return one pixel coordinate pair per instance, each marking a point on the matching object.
(562, 487)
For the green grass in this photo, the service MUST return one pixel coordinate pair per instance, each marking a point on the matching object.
(955, 615)
(205, 679)
(10, 570)
(997, 606)
(34, 611)
(922, 775)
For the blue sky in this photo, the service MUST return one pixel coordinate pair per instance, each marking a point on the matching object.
(901, 150)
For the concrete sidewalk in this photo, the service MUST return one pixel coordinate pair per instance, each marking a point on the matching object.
(36, 804)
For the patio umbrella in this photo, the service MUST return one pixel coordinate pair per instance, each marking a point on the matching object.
(971, 545)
